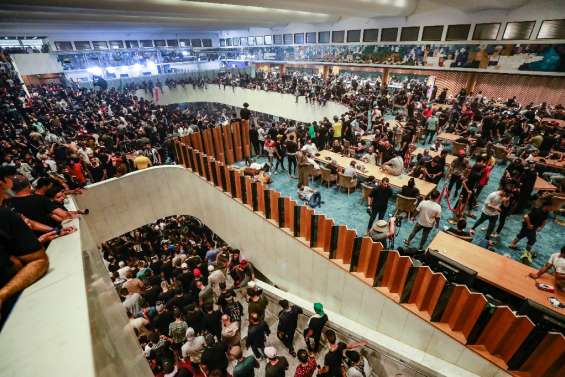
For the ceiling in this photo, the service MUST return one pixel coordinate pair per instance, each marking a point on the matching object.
(206, 15)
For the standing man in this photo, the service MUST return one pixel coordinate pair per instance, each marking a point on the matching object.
(288, 321)
(490, 212)
(532, 223)
(257, 335)
(428, 214)
(245, 366)
(291, 150)
(378, 201)
(276, 365)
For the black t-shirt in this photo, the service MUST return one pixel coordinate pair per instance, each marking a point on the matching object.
(333, 360)
(380, 197)
(291, 147)
(214, 357)
(162, 321)
(244, 113)
(16, 239)
(278, 370)
(34, 207)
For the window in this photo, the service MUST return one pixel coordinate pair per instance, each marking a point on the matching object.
(268, 39)
(389, 34)
(552, 29)
(353, 36)
(147, 43)
(160, 43)
(236, 41)
(518, 30)
(207, 42)
(338, 36)
(222, 42)
(196, 43)
(457, 32)
(251, 41)
(278, 39)
(299, 38)
(66, 46)
(324, 37)
(260, 40)
(409, 33)
(287, 38)
(184, 42)
(432, 33)
(371, 35)
(243, 41)
(100, 45)
(83, 45)
(132, 44)
(311, 37)
(14, 42)
(114, 45)
(486, 32)
(172, 43)
(228, 42)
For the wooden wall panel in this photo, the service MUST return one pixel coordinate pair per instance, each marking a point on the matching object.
(289, 205)
(249, 191)
(463, 310)
(219, 168)
(261, 197)
(548, 358)
(186, 140)
(237, 146)
(238, 188)
(275, 205)
(345, 241)
(306, 222)
(228, 144)
(426, 290)
(396, 271)
(218, 144)
(245, 138)
(196, 141)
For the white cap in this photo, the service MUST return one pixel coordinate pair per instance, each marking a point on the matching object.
(184, 266)
(121, 263)
(271, 352)
(210, 268)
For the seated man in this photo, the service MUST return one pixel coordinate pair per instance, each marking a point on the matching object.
(382, 231)
(311, 196)
(433, 171)
(370, 157)
(310, 147)
(350, 170)
(394, 166)
(410, 190)
(460, 231)
(557, 262)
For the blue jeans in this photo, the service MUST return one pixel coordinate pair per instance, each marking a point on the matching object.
(315, 200)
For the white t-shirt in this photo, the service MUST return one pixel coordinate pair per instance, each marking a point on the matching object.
(558, 262)
(428, 211)
(396, 164)
(493, 199)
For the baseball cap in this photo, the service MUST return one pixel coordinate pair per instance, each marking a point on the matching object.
(271, 352)
(381, 226)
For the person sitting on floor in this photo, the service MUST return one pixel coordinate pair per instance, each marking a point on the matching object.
(394, 166)
(459, 231)
(311, 196)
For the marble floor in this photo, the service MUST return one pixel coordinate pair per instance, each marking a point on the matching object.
(352, 211)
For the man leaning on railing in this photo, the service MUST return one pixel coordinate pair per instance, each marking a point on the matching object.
(22, 258)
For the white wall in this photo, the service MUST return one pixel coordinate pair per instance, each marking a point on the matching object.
(278, 104)
(428, 13)
(36, 64)
(123, 204)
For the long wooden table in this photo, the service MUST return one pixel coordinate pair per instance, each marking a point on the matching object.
(446, 136)
(449, 158)
(560, 122)
(498, 270)
(555, 164)
(543, 185)
(375, 171)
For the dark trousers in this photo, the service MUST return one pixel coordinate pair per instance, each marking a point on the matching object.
(491, 223)
(380, 212)
(530, 234)
(456, 181)
(287, 338)
(502, 219)
(429, 134)
(258, 350)
(425, 233)
(280, 161)
(291, 164)
(257, 150)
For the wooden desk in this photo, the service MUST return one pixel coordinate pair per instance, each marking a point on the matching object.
(555, 164)
(392, 125)
(395, 181)
(446, 136)
(543, 185)
(498, 270)
(561, 122)
(441, 106)
(449, 158)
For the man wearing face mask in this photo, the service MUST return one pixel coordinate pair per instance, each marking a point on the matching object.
(22, 258)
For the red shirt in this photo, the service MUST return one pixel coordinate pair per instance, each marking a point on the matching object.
(306, 371)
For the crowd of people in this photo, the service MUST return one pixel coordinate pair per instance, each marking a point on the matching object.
(57, 138)
(197, 311)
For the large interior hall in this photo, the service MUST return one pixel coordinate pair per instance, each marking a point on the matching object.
(321, 188)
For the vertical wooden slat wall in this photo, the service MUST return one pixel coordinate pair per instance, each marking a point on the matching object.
(500, 335)
(245, 138)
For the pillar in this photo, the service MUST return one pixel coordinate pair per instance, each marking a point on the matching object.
(386, 72)
(471, 82)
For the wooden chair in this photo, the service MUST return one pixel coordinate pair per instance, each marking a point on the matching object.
(346, 144)
(405, 204)
(366, 191)
(346, 182)
(315, 173)
(327, 176)
(457, 147)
